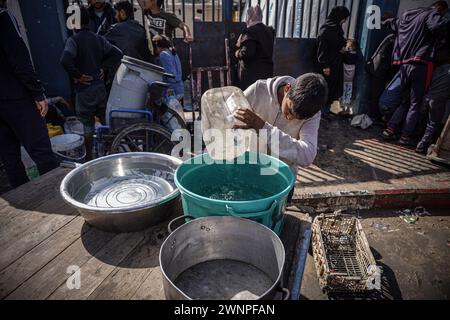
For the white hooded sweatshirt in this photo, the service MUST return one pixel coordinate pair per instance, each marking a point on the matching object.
(297, 138)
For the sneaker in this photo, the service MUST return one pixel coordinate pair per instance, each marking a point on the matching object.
(389, 134)
(421, 150)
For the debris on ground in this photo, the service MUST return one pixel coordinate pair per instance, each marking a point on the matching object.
(412, 216)
(362, 121)
(379, 226)
(410, 219)
(421, 211)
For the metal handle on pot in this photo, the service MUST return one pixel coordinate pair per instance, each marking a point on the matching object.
(233, 213)
(69, 164)
(169, 226)
(286, 294)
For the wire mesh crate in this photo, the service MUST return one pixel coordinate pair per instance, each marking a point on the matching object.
(342, 256)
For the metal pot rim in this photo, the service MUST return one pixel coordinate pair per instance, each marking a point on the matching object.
(185, 225)
(79, 205)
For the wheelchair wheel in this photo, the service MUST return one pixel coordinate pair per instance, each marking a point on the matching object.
(143, 137)
(173, 116)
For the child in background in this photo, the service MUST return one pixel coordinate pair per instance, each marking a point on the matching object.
(350, 60)
(169, 60)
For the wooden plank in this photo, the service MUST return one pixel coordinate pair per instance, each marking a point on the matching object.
(100, 266)
(10, 251)
(43, 283)
(152, 287)
(210, 82)
(126, 280)
(289, 237)
(22, 220)
(35, 193)
(46, 200)
(22, 269)
(222, 78)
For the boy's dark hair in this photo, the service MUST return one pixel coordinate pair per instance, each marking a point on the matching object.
(354, 42)
(163, 42)
(442, 4)
(126, 6)
(84, 16)
(309, 93)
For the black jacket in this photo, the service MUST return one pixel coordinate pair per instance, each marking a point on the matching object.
(129, 36)
(418, 33)
(330, 44)
(255, 54)
(101, 25)
(87, 53)
(18, 80)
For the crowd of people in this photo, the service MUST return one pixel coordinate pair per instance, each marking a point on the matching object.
(409, 75)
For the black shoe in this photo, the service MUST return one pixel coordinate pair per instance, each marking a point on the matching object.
(422, 148)
(421, 151)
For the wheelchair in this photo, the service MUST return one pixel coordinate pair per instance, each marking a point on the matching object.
(139, 130)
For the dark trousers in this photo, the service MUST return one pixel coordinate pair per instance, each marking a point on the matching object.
(436, 112)
(21, 124)
(377, 86)
(413, 77)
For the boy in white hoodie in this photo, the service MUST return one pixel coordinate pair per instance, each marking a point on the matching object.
(289, 109)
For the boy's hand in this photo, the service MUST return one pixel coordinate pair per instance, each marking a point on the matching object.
(42, 107)
(251, 119)
(327, 72)
(85, 79)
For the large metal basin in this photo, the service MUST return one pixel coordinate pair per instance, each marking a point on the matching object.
(124, 192)
(223, 258)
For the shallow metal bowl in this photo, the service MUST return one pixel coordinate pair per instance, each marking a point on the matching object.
(124, 192)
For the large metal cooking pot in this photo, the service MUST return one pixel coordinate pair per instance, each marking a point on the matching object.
(124, 192)
(222, 258)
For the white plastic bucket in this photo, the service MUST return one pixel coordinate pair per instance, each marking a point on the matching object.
(69, 147)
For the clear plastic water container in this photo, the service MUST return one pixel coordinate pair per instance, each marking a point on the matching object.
(219, 106)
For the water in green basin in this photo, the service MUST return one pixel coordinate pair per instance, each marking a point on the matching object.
(233, 191)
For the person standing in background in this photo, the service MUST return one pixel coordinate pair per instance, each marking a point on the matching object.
(330, 53)
(169, 60)
(380, 73)
(160, 22)
(23, 105)
(128, 35)
(101, 16)
(84, 57)
(350, 60)
(255, 50)
(435, 102)
(418, 33)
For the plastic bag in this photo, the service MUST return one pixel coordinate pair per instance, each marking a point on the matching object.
(362, 120)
